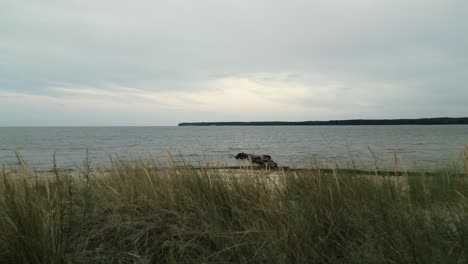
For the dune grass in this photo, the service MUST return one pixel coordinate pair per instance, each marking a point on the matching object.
(137, 213)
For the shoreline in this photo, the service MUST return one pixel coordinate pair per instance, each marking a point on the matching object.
(237, 169)
(348, 122)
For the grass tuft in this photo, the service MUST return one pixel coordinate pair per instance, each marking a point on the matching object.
(139, 213)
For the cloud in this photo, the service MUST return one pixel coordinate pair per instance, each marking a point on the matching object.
(239, 95)
(313, 59)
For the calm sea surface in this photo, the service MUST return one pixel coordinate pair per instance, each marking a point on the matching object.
(288, 145)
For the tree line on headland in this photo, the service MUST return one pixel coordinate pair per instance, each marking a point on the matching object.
(352, 122)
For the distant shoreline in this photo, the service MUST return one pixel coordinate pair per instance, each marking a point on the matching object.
(351, 122)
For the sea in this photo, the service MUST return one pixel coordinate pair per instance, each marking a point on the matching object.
(361, 147)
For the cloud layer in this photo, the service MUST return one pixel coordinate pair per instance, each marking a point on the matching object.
(164, 62)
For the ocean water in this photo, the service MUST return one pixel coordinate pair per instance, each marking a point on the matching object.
(345, 146)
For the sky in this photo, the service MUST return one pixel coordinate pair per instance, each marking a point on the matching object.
(155, 62)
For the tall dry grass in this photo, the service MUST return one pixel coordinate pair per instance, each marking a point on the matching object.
(138, 213)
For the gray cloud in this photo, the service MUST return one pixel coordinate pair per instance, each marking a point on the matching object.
(417, 48)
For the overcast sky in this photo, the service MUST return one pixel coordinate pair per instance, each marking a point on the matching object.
(163, 62)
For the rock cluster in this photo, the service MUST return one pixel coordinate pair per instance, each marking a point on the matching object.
(262, 160)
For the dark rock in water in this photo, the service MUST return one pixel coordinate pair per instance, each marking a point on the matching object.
(242, 156)
(262, 160)
(271, 164)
